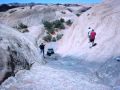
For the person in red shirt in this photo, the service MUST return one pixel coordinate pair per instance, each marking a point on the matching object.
(92, 37)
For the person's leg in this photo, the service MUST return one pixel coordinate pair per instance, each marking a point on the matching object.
(41, 50)
(43, 53)
(90, 43)
(93, 43)
(89, 39)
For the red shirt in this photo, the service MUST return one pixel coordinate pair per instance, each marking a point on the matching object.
(92, 35)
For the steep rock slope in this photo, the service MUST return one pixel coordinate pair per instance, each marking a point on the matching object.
(104, 19)
(16, 52)
(104, 58)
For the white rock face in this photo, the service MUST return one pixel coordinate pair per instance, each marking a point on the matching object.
(104, 19)
(47, 77)
(94, 68)
(3, 63)
(38, 14)
(17, 52)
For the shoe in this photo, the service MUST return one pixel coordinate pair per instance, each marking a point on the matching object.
(90, 47)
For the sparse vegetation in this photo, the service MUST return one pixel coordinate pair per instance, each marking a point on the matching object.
(22, 8)
(84, 9)
(53, 27)
(54, 39)
(12, 11)
(62, 20)
(50, 26)
(63, 12)
(22, 28)
(69, 10)
(47, 38)
(69, 22)
(59, 24)
(78, 14)
(59, 36)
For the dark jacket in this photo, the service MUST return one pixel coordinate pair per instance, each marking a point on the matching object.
(42, 46)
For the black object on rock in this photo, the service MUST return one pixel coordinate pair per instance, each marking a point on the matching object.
(50, 51)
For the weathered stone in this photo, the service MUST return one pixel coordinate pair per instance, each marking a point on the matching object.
(16, 52)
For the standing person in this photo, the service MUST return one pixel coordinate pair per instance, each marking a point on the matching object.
(92, 37)
(42, 47)
(89, 33)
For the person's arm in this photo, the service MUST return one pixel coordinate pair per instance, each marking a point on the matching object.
(88, 33)
(40, 46)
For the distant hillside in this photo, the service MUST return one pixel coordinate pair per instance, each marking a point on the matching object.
(5, 7)
(33, 14)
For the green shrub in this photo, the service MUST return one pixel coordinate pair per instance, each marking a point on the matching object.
(50, 30)
(23, 30)
(78, 14)
(22, 26)
(48, 26)
(62, 26)
(54, 39)
(59, 36)
(69, 10)
(63, 12)
(12, 11)
(58, 24)
(62, 20)
(47, 38)
(69, 22)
